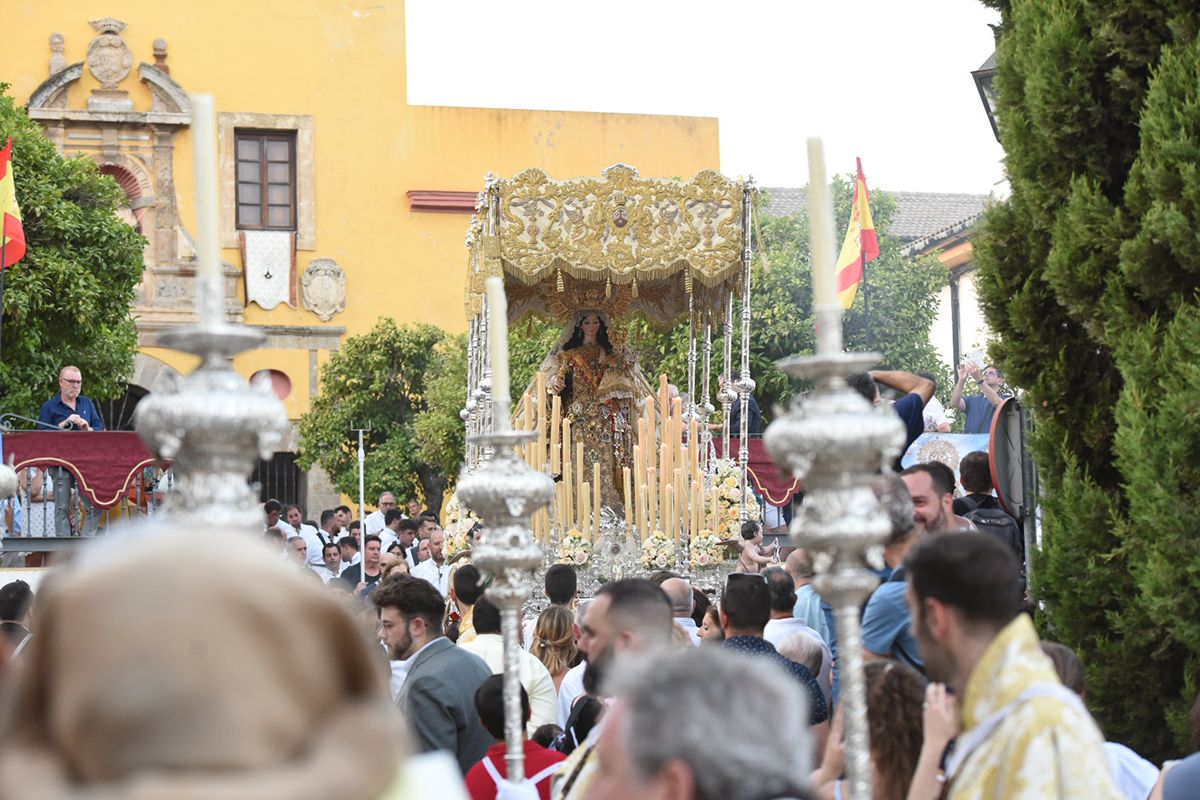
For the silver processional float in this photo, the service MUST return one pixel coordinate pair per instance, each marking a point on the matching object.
(624, 245)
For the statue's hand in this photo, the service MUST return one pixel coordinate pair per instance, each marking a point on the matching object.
(556, 384)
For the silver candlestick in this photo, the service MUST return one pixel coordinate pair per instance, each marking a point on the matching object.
(213, 425)
(837, 443)
(505, 492)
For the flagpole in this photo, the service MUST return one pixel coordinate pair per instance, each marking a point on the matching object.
(862, 252)
(3, 247)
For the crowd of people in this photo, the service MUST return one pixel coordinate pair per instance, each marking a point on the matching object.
(189, 664)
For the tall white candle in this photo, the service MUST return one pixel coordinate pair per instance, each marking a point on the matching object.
(498, 343)
(204, 143)
(820, 215)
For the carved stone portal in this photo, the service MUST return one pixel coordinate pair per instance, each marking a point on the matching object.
(324, 288)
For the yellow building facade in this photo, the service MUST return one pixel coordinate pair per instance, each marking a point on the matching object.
(341, 203)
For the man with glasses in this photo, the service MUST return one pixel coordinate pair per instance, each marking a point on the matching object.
(70, 411)
(980, 408)
(376, 520)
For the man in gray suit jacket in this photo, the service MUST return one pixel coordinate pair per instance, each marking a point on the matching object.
(437, 697)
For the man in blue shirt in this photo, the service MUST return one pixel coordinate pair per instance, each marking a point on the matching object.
(70, 411)
(915, 392)
(885, 622)
(980, 408)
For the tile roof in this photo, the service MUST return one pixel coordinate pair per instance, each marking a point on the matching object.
(918, 214)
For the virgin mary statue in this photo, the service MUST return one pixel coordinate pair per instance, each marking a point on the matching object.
(601, 388)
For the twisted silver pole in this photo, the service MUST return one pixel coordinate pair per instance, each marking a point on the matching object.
(505, 492)
(837, 442)
(727, 394)
(706, 407)
(745, 384)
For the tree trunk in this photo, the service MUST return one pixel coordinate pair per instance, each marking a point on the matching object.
(433, 484)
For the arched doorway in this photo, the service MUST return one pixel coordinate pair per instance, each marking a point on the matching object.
(118, 412)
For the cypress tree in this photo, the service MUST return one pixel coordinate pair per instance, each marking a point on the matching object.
(1088, 276)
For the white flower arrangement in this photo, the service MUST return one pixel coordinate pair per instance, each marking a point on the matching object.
(728, 480)
(458, 516)
(456, 536)
(658, 551)
(707, 552)
(574, 548)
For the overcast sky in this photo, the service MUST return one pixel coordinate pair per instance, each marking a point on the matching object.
(885, 80)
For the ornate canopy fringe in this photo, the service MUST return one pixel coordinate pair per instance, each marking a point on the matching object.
(620, 243)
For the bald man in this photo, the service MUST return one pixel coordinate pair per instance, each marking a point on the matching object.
(679, 592)
(70, 410)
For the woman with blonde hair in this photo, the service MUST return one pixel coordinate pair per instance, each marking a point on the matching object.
(554, 642)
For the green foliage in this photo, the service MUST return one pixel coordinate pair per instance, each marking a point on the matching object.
(377, 379)
(438, 428)
(892, 316)
(68, 300)
(1088, 276)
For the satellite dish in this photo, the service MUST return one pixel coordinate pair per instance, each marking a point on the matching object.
(1005, 457)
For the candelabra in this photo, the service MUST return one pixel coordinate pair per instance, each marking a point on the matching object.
(837, 443)
(505, 492)
(213, 425)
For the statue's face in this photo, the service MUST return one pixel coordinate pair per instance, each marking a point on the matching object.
(591, 327)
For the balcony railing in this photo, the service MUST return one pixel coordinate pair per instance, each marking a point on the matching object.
(76, 484)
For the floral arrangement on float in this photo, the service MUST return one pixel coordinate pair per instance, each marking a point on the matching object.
(707, 551)
(458, 517)
(456, 536)
(574, 548)
(728, 489)
(658, 551)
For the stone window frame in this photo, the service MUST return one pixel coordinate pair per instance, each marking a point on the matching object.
(306, 198)
(262, 141)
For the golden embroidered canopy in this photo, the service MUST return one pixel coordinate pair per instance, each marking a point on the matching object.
(620, 243)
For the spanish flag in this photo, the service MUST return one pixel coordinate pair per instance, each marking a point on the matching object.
(861, 244)
(12, 243)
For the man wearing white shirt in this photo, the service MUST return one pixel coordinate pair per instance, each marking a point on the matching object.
(679, 592)
(435, 570)
(398, 529)
(488, 644)
(295, 524)
(348, 547)
(437, 696)
(376, 520)
(783, 624)
(331, 563)
(272, 513)
(344, 516)
(295, 519)
(328, 532)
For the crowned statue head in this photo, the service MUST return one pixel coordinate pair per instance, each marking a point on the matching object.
(590, 327)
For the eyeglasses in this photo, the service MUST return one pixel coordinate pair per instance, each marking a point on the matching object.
(69, 380)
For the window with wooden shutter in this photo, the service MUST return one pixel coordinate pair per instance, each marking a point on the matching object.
(266, 180)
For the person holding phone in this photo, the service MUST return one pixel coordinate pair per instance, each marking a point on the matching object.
(980, 408)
